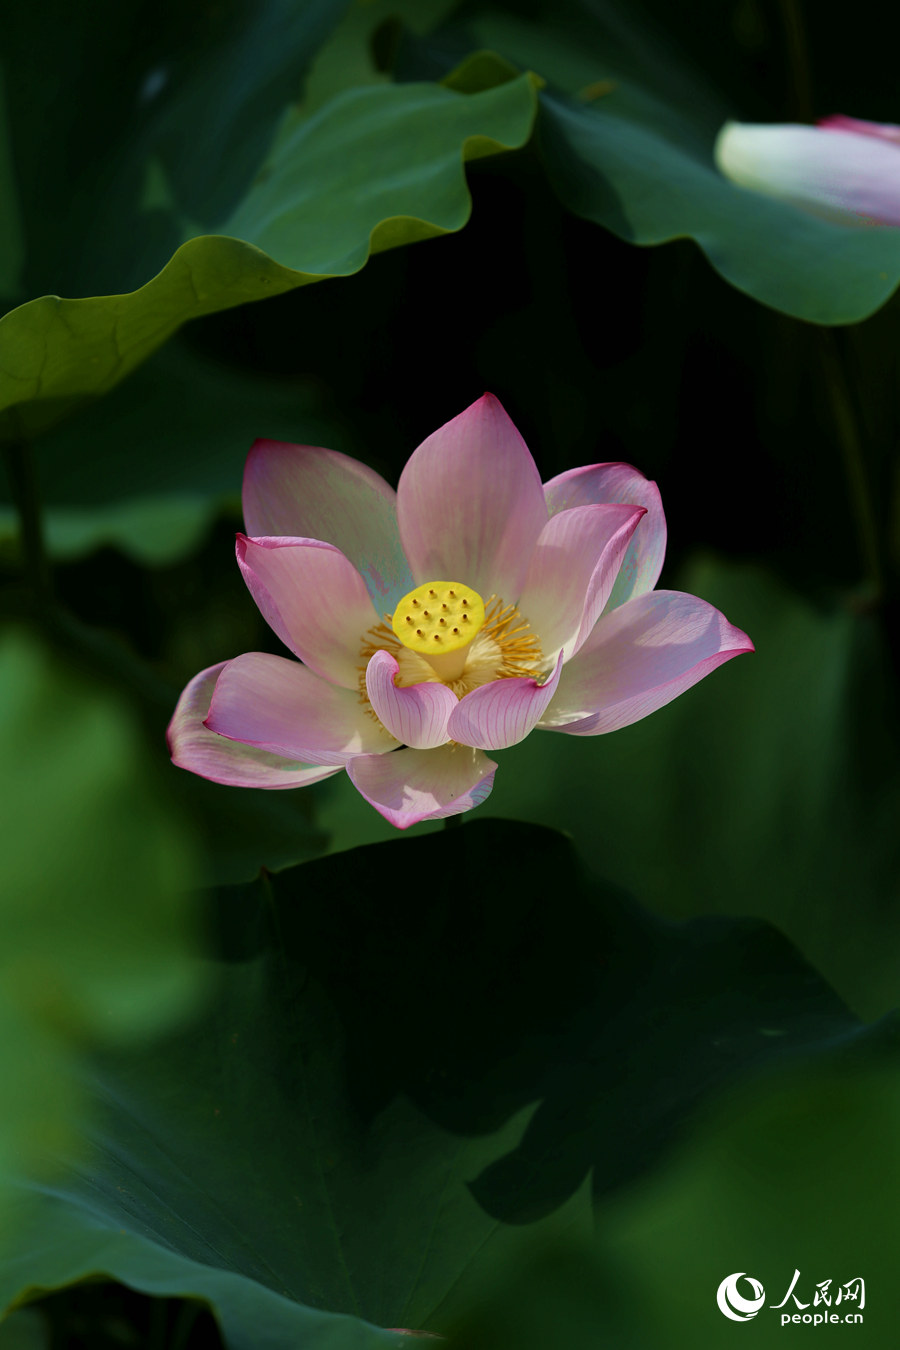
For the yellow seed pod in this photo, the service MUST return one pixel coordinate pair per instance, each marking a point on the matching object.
(438, 617)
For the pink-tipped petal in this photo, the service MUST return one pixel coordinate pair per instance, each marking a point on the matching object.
(849, 178)
(418, 714)
(638, 658)
(201, 751)
(313, 598)
(885, 131)
(306, 492)
(572, 572)
(470, 503)
(606, 483)
(413, 785)
(502, 713)
(280, 706)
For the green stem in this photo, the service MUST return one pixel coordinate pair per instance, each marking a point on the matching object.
(23, 487)
(848, 423)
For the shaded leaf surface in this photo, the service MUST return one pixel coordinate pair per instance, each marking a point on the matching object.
(67, 1247)
(401, 1082)
(797, 1174)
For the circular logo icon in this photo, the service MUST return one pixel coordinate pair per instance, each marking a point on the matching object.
(733, 1304)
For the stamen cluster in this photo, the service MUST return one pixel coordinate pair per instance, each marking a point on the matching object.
(503, 648)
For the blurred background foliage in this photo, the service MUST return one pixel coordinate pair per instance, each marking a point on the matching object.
(245, 150)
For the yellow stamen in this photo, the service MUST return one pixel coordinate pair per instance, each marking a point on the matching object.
(502, 647)
(519, 647)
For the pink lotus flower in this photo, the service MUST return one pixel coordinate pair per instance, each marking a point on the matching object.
(441, 621)
(843, 169)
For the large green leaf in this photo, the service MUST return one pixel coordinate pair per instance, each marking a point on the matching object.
(63, 1247)
(634, 154)
(99, 936)
(377, 167)
(424, 1054)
